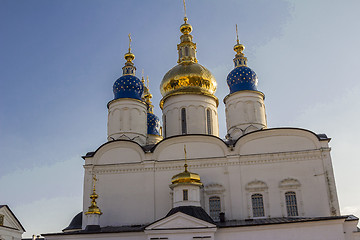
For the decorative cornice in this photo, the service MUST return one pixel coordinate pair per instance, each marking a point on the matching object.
(200, 163)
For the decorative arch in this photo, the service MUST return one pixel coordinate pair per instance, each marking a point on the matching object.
(257, 199)
(256, 186)
(291, 197)
(214, 200)
(289, 183)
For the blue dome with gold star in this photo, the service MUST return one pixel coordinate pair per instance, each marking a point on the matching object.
(153, 124)
(242, 78)
(128, 86)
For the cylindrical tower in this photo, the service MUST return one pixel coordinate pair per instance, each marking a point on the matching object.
(189, 105)
(244, 106)
(127, 116)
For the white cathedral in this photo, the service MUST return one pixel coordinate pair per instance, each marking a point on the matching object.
(182, 181)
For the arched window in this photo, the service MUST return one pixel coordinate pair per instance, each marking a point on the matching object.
(183, 121)
(291, 204)
(257, 205)
(215, 207)
(208, 121)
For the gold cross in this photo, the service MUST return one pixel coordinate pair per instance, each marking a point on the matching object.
(94, 181)
(184, 8)
(237, 35)
(129, 42)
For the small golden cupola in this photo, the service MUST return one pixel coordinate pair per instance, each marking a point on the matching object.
(186, 177)
(186, 187)
(188, 77)
(93, 213)
(94, 209)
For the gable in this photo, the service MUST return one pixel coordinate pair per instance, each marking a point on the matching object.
(197, 146)
(277, 140)
(9, 220)
(117, 152)
(179, 220)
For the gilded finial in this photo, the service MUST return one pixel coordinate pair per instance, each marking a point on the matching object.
(129, 42)
(186, 176)
(148, 96)
(240, 59)
(185, 28)
(129, 56)
(185, 165)
(94, 209)
(185, 18)
(94, 182)
(237, 35)
(142, 77)
(238, 48)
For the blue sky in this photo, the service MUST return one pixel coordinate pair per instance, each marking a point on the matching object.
(59, 59)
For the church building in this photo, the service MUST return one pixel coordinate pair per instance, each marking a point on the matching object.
(183, 181)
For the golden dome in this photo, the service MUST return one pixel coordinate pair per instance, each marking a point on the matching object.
(188, 78)
(186, 177)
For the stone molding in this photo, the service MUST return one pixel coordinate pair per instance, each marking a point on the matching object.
(201, 163)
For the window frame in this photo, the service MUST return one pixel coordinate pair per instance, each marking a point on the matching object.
(209, 128)
(291, 204)
(257, 196)
(257, 187)
(291, 185)
(183, 121)
(218, 198)
(185, 194)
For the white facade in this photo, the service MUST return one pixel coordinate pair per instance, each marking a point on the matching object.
(10, 227)
(259, 183)
(133, 185)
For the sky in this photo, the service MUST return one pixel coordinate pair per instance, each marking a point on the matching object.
(60, 58)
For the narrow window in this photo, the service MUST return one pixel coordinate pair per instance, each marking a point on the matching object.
(185, 195)
(1, 220)
(257, 205)
(208, 121)
(164, 126)
(215, 207)
(186, 51)
(183, 121)
(291, 204)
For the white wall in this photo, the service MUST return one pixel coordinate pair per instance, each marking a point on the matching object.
(133, 186)
(245, 112)
(127, 119)
(196, 106)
